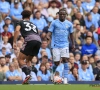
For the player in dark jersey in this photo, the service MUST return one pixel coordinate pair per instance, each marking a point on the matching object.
(32, 39)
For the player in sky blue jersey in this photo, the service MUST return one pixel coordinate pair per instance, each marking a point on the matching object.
(60, 30)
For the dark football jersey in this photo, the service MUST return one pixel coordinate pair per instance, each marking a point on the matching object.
(27, 28)
(29, 31)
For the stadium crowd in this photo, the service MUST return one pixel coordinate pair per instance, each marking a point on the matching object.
(84, 60)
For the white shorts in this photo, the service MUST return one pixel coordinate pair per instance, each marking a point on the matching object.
(60, 52)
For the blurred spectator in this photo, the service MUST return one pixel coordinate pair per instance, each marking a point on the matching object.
(84, 58)
(98, 5)
(95, 35)
(43, 11)
(52, 10)
(10, 26)
(35, 62)
(3, 67)
(89, 48)
(96, 58)
(39, 21)
(6, 32)
(90, 21)
(1, 23)
(96, 71)
(44, 59)
(69, 8)
(79, 7)
(43, 74)
(95, 14)
(74, 75)
(72, 61)
(7, 57)
(3, 51)
(2, 76)
(6, 44)
(45, 30)
(84, 73)
(78, 40)
(48, 67)
(12, 74)
(91, 61)
(77, 58)
(90, 33)
(15, 54)
(88, 5)
(12, 3)
(15, 12)
(29, 3)
(58, 3)
(44, 46)
(16, 64)
(79, 17)
(43, 3)
(4, 8)
(64, 3)
(75, 23)
(19, 44)
(21, 39)
(71, 54)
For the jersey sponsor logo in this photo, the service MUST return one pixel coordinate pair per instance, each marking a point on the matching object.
(30, 26)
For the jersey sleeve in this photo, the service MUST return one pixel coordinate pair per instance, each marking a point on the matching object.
(18, 23)
(51, 28)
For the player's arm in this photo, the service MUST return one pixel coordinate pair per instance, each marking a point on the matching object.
(16, 34)
(49, 34)
(72, 40)
(72, 36)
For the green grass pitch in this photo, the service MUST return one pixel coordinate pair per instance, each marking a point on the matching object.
(48, 87)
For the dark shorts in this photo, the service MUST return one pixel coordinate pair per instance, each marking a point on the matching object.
(31, 48)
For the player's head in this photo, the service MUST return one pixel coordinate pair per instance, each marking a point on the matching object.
(62, 14)
(26, 14)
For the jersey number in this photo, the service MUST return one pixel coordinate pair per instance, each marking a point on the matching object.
(30, 27)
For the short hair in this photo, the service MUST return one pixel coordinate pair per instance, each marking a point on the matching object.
(10, 64)
(5, 25)
(69, 1)
(62, 9)
(88, 14)
(46, 57)
(3, 48)
(2, 57)
(88, 37)
(53, 2)
(78, 1)
(26, 14)
(56, 73)
(7, 56)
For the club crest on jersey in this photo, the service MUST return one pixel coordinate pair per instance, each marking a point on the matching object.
(67, 26)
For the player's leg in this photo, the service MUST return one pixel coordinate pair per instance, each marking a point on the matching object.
(22, 63)
(56, 54)
(64, 54)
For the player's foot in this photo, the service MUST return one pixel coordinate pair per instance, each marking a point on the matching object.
(27, 79)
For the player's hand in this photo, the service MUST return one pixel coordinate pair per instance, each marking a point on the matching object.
(14, 46)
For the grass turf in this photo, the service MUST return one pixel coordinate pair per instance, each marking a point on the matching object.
(48, 87)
